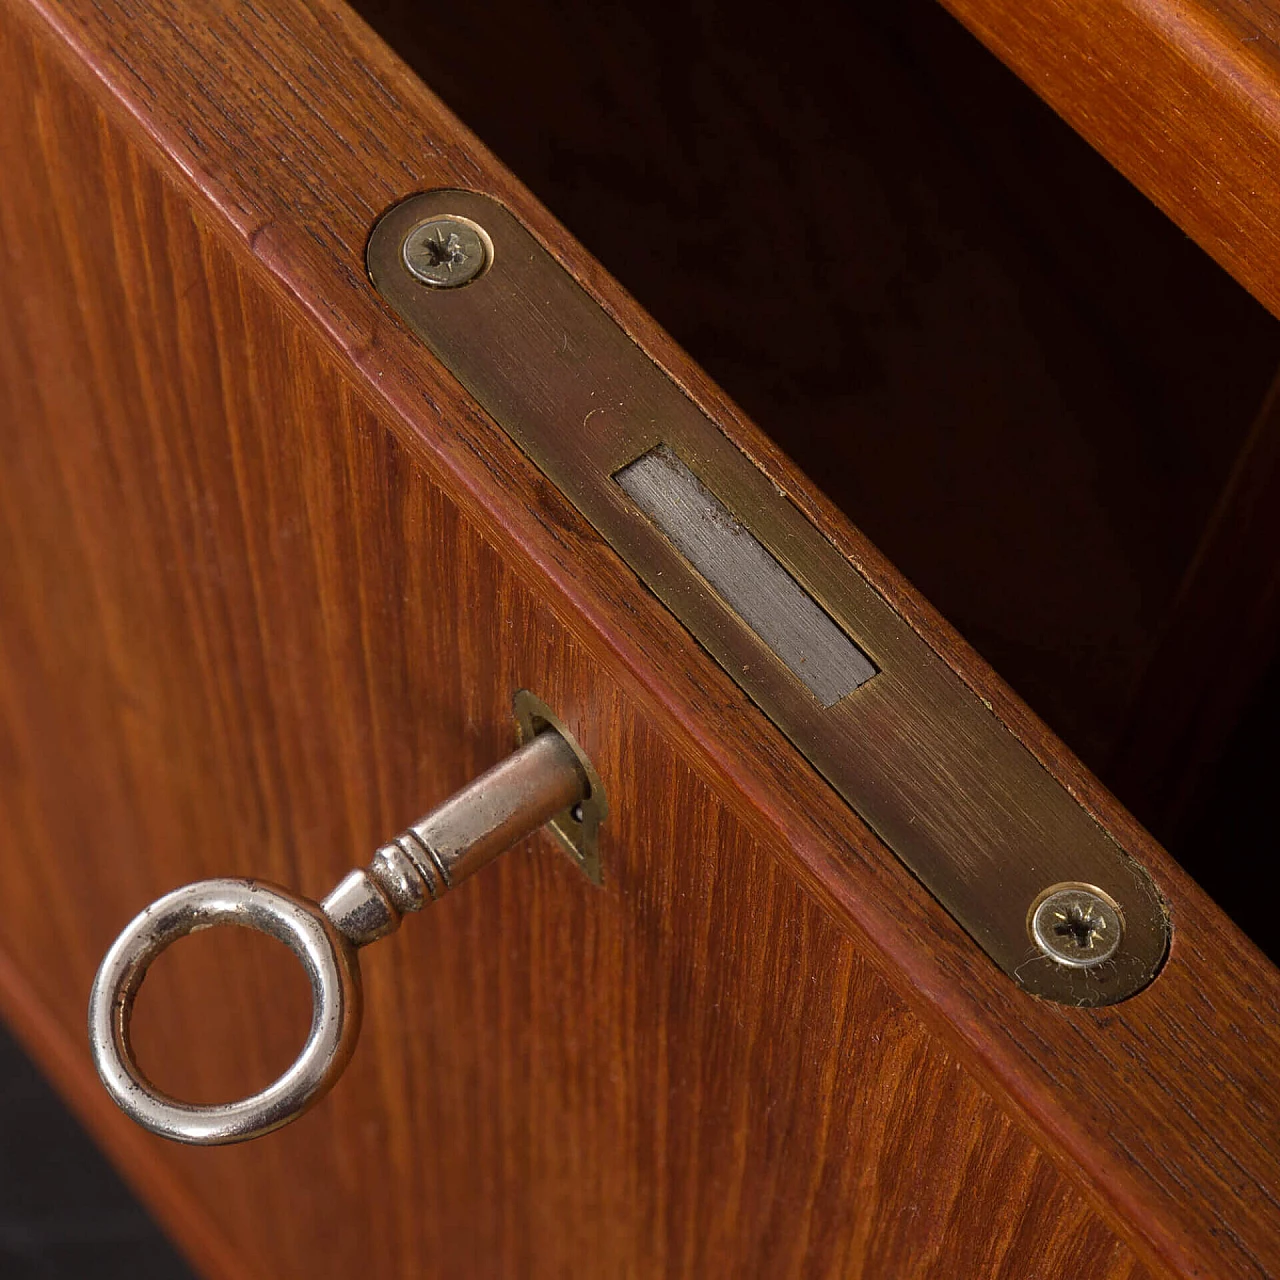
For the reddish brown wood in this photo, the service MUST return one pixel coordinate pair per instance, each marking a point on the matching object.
(269, 581)
(292, 636)
(1180, 97)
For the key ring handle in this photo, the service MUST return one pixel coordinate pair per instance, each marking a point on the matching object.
(331, 966)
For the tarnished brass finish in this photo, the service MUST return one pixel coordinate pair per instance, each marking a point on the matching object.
(1076, 924)
(915, 752)
(577, 826)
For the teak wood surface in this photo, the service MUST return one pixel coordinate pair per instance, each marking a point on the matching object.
(1183, 96)
(268, 581)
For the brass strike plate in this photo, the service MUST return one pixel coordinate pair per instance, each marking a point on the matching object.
(923, 761)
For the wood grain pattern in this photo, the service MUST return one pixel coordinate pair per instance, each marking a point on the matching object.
(268, 583)
(292, 639)
(1180, 97)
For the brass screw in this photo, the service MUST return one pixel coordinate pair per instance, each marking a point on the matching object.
(447, 251)
(1076, 925)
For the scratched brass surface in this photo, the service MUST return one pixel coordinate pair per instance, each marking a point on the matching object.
(920, 758)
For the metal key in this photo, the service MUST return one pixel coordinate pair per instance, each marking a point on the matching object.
(542, 779)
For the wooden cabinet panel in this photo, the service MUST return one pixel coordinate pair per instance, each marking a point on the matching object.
(1177, 96)
(268, 581)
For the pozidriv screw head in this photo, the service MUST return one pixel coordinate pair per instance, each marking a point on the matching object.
(1076, 925)
(447, 251)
